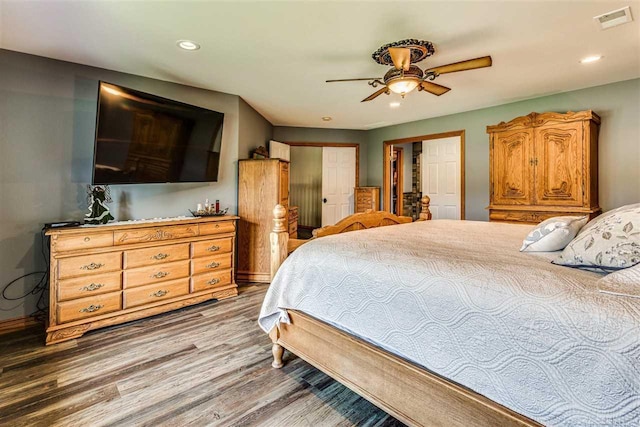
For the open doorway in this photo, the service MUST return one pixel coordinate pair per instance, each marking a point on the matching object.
(433, 166)
(322, 180)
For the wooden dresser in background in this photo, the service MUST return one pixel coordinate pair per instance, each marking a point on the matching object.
(293, 222)
(367, 198)
(544, 165)
(262, 184)
(110, 274)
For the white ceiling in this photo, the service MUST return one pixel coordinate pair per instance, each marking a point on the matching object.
(277, 55)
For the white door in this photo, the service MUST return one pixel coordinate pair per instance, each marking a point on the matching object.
(441, 176)
(338, 182)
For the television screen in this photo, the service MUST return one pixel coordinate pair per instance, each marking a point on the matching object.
(143, 138)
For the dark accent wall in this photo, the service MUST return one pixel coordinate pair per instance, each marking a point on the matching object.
(47, 126)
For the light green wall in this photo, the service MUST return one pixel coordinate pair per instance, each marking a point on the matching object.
(47, 128)
(618, 105)
(296, 134)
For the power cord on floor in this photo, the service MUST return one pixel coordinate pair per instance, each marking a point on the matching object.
(40, 289)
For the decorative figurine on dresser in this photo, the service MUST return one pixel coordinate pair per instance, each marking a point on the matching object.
(97, 197)
(110, 274)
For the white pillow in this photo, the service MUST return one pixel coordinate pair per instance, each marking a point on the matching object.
(624, 282)
(607, 243)
(553, 234)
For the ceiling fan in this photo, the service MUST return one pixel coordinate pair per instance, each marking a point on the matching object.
(404, 77)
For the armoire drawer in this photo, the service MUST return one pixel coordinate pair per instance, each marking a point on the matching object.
(89, 264)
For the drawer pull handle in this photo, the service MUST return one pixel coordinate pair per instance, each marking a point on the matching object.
(213, 265)
(92, 287)
(91, 308)
(160, 256)
(92, 266)
(86, 239)
(213, 281)
(213, 248)
(159, 293)
(160, 275)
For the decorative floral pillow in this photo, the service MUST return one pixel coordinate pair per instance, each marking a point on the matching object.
(624, 282)
(553, 234)
(607, 243)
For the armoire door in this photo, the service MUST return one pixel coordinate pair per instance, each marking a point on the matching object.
(511, 168)
(559, 165)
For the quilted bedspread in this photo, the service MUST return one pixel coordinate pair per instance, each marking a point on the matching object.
(458, 298)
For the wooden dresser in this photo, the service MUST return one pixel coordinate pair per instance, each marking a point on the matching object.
(262, 184)
(110, 274)
(367, 198)
(544, 165)
(293, 222)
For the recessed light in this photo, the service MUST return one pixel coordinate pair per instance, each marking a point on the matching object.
(394, 104)
(188, 45)
(327, 119)
(590, 59)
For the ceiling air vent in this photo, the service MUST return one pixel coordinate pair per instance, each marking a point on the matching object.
(614, 18)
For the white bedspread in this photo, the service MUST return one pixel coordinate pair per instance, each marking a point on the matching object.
(459, 299)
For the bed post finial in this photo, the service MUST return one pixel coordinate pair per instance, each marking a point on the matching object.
(425, 213)
(279, 238)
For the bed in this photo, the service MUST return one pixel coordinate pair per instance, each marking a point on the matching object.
(447, 323)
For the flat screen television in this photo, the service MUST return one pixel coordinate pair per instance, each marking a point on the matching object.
(143, 138)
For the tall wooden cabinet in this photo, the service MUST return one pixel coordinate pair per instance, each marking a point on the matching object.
(544, 165)
(262, 184)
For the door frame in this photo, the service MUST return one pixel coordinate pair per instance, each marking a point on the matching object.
(400, 183)
(332, 144)
(386, 173)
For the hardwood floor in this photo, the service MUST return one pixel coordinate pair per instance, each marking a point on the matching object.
(204, 365)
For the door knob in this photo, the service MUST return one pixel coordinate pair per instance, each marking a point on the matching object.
(324, 200)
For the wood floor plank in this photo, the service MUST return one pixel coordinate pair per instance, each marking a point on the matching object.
(208, 364)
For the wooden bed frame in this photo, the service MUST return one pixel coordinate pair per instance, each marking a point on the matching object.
(410, 393)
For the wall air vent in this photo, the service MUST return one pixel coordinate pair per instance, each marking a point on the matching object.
(614, 18)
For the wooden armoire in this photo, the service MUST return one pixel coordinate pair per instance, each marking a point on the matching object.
(544, 165)
(262, 184)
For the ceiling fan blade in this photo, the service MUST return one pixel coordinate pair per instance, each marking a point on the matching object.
(433, 88)
(352, 80)
(376, 94)
(470, 64)
(401, 57)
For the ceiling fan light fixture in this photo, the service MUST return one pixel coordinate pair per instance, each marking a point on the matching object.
(403, 86)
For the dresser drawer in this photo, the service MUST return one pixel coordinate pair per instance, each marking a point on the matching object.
(75, 242)
(211, 247)
(154, 293)
(89, 264)
(154, 234)
(89, 307)
(156, 255)
(212, 263)
(97, 284)
(156, 273)
(217, 227)
(293, 227)
(204, 282)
